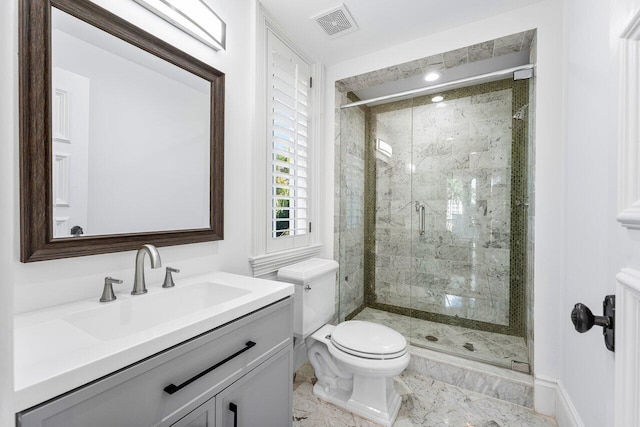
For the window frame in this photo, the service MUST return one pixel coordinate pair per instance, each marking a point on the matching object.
(275, 244)
(267, 256)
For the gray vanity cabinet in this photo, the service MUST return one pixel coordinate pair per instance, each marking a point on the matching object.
(257, 397)
(204, 416)
(260, 399)
(247, 362)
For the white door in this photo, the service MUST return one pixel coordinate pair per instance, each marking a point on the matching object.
(627, 350)
(70, 134)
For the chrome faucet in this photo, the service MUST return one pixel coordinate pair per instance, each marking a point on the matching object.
(139, 286)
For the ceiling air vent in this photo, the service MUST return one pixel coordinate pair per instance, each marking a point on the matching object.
(336, 22)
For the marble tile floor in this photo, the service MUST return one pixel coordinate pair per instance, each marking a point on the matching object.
(488, 347)
(425, 403)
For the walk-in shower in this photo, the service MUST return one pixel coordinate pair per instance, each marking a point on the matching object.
(433, 202)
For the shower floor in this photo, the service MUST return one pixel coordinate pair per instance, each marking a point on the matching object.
(488, 347)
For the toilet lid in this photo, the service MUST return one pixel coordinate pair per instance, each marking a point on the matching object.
(367, 339)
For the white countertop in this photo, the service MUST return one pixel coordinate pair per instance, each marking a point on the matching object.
(51, 356)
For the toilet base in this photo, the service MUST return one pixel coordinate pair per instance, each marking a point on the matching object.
(345, 400)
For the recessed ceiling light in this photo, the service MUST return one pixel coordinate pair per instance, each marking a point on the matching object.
(437, 98)
(432, 76)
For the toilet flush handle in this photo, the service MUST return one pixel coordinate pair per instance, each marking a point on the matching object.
(307, 288)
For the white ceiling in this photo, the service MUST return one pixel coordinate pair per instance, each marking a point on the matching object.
(382, 23)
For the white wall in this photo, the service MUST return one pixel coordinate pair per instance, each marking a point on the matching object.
(53, 282)
(590, 205)
(546, 16)
(596, 245)
(8, 198)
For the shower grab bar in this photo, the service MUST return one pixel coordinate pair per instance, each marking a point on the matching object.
(421, 218)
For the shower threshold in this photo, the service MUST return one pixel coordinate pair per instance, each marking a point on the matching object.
(496, 349)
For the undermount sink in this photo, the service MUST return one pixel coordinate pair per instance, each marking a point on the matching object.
(138, 313)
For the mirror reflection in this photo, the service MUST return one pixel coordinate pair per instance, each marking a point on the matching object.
(130, 137)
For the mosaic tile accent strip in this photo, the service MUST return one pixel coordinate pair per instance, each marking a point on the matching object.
(457, 162)
(425, 403)
(520, 188)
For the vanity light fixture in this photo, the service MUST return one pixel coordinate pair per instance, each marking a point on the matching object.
(437, 98)
(194, 17)
(432, 76)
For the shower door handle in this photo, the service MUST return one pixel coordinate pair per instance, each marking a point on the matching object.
(421, 218)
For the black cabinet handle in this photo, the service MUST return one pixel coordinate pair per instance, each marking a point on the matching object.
(233, 408)
(172, 388)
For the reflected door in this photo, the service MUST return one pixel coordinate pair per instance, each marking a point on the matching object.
(70, 154)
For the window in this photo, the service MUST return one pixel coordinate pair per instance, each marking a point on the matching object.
(286, 156)
(288, 130)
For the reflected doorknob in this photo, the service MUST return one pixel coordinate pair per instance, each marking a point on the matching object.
(583, 320)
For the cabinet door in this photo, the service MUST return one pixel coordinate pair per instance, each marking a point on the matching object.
(203, 416)
(260, 398)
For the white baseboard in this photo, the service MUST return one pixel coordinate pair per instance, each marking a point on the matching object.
(544, 393)
(566, 413)
(551, 399)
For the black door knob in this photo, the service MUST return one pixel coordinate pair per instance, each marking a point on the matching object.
(583, 319)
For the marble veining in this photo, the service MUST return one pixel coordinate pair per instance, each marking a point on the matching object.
(488, 347)
(461, 267)
(350, 215)
(454, 158)
(425, 402)
(489, 49)
(501, 383)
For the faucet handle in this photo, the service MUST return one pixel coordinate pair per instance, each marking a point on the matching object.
(168, 277)
(107, 292)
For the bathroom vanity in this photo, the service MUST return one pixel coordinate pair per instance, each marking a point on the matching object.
(228, 363)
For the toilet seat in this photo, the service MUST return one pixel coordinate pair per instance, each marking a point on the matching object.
(368, 340)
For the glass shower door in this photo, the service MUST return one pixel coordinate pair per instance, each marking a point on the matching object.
(463, 298)
(391, 133)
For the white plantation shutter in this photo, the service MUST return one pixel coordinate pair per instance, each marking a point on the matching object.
(288, 118)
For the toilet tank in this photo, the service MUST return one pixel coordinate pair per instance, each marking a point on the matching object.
(315, 292)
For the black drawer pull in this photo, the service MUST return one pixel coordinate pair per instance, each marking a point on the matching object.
(172, 388)
(233, 408)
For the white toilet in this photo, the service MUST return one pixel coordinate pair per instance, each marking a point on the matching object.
(355, 361)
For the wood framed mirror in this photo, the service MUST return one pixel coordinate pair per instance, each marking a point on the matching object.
(99, 174)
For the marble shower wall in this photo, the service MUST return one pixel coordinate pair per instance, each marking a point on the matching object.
(455, 159)
(392, 123)
(458, 273)
(350, 184)
(481, 51)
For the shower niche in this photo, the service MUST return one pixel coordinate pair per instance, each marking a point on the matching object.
(434, 200)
